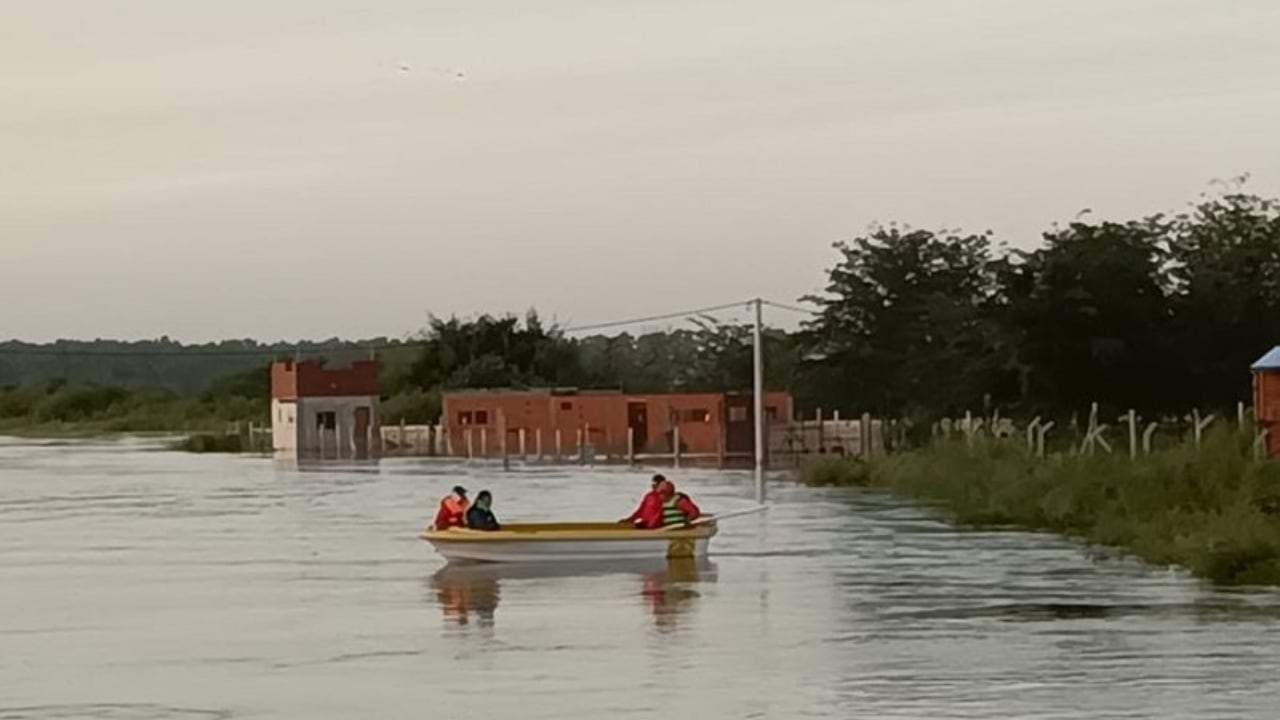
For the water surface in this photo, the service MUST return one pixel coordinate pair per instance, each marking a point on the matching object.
(139, 584)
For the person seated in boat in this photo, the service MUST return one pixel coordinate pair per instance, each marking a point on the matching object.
(453, 509)
(480, 515)
(650, 505)
(675, 508)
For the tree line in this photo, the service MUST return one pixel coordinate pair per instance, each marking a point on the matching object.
(1163, 313)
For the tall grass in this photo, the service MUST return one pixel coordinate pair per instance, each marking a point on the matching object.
(1214, 510)
(59, 409)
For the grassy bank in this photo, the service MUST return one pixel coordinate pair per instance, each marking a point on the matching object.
(1214, 510)
(81, 410)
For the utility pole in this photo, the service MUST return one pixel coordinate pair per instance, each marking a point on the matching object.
(758, 396)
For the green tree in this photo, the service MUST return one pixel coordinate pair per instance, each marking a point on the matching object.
(906, 324)
(1226, 272)
(1091, 315)
(494, 352)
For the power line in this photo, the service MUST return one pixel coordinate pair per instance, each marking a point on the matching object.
(655, 318)
(198, 352)
(791, 308)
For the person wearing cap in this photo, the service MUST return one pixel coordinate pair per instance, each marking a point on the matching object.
(650, 505)
(453, 509)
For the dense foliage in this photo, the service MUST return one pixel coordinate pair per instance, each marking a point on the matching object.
(1162, 314)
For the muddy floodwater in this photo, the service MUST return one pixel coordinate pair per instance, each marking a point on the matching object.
(139, 584)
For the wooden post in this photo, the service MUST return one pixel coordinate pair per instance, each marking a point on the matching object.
(1146, 437)
(559, 446)
(537, 441)
(867, 436)
(484, 442)
(675, 446)
(804, 443)
(1133, 433)
(720, 443)
(822, 441)
(524, 455)
(631, 446)
(471, 448)
(1201, 425)
(1240, 414)
(582, 457)
(502, 439)
(1043, 430)
(1031, 434)
(586, 440)
(968, 428)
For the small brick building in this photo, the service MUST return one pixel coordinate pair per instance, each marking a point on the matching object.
(1266, 397)
(711, 425)
(328, 413)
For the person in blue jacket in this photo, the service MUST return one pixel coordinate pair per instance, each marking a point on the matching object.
(480, 514)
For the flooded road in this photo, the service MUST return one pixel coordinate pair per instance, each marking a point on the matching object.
(138, 584)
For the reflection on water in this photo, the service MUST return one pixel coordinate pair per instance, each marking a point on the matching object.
(672, 590)
(666, 587)
(462, 593)
(144, 584)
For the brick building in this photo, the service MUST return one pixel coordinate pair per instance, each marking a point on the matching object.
(711, 425)
(1266, 398)
(320, 412)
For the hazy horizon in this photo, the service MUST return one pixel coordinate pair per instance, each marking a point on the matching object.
(289, 170)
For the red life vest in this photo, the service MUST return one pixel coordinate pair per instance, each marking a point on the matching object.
(452, 513)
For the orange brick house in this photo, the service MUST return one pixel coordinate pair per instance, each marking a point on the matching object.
(610, 422)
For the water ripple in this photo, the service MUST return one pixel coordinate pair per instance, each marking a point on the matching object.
(177, 581)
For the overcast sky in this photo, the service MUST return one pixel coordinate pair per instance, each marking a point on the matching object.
(310, 168)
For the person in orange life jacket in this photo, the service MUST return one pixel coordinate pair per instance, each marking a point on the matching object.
(453, 509)
(675, 508)
(480, 516)
(650, 505)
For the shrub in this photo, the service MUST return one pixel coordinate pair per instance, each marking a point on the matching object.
(211, 443)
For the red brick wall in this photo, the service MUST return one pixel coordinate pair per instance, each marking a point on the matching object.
(290, 380)
(601, 417)
(284, 381)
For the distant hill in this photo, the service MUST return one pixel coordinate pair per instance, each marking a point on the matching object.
(164, 363)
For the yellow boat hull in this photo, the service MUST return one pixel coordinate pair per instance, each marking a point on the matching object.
(570, 542)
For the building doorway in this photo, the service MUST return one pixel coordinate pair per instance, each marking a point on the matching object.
(361, 432)
(740, 427)
(638, 423)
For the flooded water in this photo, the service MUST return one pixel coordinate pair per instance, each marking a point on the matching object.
(138, 584)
